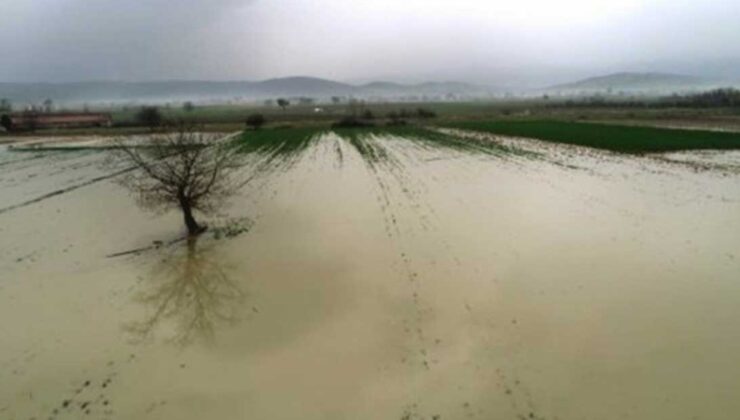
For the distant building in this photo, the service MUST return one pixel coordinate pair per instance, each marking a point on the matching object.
(36, 120)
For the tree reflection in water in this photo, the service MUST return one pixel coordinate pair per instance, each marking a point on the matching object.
(190, 292)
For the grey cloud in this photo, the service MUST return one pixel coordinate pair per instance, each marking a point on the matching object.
(476, 40)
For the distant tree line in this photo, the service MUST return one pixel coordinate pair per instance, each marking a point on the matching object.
(716, 98)
(366, 118)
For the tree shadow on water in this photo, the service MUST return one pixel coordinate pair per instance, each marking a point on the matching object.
(189, 294)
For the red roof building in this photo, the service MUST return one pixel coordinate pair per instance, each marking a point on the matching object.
(36, 120)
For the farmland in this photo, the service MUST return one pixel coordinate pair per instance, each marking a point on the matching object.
(369, 210)
(612, 137)
(491, 268)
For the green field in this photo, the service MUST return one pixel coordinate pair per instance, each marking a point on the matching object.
(622, 129)
(618, 138)
(289, 141)
(446, 111)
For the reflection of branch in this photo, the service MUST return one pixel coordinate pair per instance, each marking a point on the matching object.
(156, 245)
(194, 292)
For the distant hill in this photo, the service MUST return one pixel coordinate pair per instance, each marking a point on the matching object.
(634, 82)
(175, 91)
(302, 86)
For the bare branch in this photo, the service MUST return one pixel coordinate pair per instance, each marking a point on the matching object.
(183, 169)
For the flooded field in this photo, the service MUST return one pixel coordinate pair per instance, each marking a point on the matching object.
(451, 276)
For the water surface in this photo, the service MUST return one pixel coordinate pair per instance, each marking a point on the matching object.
(381, 278)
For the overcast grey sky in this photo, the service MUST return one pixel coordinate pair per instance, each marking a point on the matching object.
(488, 41)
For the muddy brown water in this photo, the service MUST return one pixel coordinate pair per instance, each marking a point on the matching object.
(431, 283)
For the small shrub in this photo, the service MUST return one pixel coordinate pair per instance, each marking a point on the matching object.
(6, 122)
(425, 113)
(351, 122)
(149, 116)
(256, 121)
(396, 118)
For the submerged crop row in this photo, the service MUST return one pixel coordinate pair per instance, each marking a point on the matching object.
(291, 141)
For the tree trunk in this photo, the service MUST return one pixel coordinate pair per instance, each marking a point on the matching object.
(193, 227)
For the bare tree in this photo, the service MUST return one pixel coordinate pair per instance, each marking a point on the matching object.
(184, 169)
(283, 103)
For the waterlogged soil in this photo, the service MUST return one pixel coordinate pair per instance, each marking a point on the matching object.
(378, 277)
